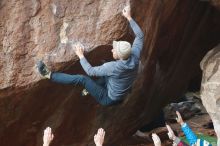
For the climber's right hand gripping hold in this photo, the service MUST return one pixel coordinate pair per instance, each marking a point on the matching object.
(79, 50)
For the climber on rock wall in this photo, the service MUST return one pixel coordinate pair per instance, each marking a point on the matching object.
(116, 77)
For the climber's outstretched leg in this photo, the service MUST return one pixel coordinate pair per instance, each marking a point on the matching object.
(99, 92)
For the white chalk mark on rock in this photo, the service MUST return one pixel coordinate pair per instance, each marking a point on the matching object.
(63, 37)
(54, 9)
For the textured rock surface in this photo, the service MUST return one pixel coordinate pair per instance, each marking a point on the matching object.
(210, 91)
(43, 29)
(177, 36)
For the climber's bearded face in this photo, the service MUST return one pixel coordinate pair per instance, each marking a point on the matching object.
(114, 54)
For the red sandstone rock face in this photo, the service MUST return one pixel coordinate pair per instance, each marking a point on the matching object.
(177, 35)
(42, 29)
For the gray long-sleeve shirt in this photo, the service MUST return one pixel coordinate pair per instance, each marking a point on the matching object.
(119, 74)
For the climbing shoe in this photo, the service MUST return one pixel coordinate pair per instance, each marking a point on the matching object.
(43, 70)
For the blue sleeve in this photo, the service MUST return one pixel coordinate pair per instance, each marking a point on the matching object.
(190, 135)
(139, 38)
(104, 70)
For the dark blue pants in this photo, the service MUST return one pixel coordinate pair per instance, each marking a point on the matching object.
(96, 88)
